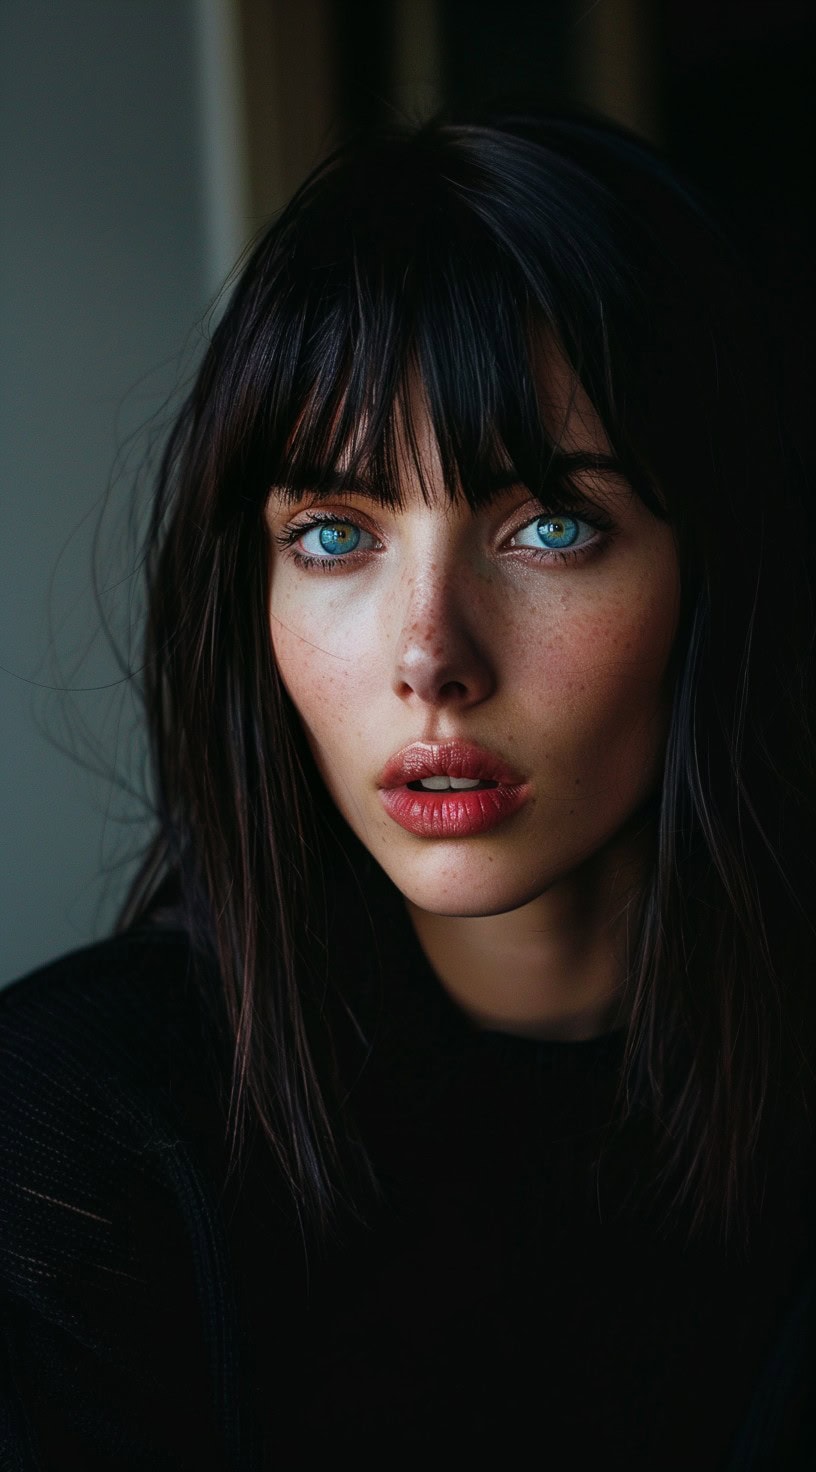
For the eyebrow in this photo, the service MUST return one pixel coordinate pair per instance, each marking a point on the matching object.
(320, 481)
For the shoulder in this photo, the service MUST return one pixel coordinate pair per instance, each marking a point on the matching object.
(138, 975)
(112, 1252)
(130, 1012)
(107, 1082)
(129, 1023)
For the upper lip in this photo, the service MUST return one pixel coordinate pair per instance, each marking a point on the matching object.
(454, 758)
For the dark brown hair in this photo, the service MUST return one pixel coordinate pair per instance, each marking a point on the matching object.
(447, 251)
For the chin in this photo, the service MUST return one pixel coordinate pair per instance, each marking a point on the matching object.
(468, 888)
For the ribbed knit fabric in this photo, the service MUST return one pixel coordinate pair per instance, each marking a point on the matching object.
(118, 1316)
(154, 1317)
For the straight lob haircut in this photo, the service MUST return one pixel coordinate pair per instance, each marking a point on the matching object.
(449, 255)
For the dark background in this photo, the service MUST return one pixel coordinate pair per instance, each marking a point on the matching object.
(726, 87)
(142, 145)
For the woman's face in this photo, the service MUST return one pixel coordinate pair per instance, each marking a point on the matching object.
(523, 652)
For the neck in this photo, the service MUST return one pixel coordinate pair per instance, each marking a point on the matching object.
(557, 966)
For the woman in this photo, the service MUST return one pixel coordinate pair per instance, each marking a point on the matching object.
(444, 1091)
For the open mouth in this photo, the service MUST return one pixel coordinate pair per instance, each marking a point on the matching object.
(448, 811)
(450, 789)
(449, 784)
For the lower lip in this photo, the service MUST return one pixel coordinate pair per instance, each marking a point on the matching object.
(452, 814)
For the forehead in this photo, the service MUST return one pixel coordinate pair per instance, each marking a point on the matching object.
(404, 457)
(569, 416)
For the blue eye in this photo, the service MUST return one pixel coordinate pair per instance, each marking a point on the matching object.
(334, 537)
(551, 532)
(557, 531)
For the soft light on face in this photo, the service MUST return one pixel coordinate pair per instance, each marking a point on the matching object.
(546, 644)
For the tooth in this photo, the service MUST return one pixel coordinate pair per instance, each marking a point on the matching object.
(459, 783)
(436, 784)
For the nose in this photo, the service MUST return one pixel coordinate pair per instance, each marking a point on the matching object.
(441, 654)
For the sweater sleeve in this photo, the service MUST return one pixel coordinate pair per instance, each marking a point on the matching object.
(115, 1318)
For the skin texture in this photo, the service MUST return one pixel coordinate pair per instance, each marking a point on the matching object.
(445, 623)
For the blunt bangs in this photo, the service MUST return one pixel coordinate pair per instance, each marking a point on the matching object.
(438, 270)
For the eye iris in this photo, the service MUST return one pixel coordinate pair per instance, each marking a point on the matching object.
(339, 537)
(557, 531)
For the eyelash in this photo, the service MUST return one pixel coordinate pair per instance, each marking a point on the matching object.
(286, 539)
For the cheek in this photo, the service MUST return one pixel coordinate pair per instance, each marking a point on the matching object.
(600, 698)
(327, 668)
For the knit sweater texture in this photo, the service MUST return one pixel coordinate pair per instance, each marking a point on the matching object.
(499, 1299)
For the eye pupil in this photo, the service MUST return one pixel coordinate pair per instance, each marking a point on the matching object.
(557, 531)
(339, 537)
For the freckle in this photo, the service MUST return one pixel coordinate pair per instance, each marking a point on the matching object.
(577, 781)
(571, 812)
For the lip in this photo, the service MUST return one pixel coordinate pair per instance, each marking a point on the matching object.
(451, 814)
(457, 758)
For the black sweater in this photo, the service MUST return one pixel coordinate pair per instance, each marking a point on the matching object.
(500, 1306)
